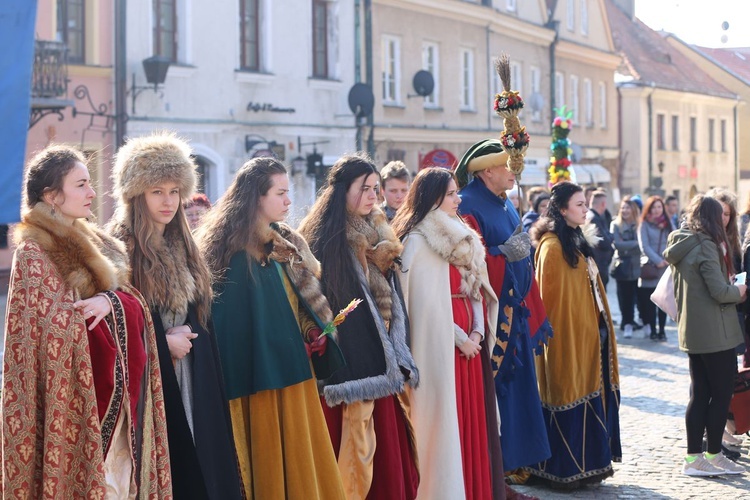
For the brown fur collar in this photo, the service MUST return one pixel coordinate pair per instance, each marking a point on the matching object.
(458, 244)
(179, 280)
(88, 260)
(288, 247)
(376, 248)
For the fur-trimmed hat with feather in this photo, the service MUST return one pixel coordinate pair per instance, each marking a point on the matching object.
(144, 162)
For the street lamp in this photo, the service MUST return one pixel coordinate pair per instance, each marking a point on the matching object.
(155, 68)
(297, 165)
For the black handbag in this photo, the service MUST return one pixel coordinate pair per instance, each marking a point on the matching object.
(649, 271)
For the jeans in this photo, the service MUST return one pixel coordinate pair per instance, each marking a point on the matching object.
(649, 310)
(626, 295)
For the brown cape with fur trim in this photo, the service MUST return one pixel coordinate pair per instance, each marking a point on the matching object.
(52, 437)
(204, 461)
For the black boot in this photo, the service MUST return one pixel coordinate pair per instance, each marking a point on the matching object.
(662, 336)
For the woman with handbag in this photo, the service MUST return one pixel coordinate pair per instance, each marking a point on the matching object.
(652, 239)
(626, 264)
(708, 330)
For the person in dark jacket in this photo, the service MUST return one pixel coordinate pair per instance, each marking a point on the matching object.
(603, 252)
(626, 269)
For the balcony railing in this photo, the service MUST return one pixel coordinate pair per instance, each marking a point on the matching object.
(50, 76)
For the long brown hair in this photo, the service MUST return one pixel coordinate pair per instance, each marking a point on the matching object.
(144, 257)
(230, 226)
(704, 216)
(426, 194)
(324, 228)
(733, 231)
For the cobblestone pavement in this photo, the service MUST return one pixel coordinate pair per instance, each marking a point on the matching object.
(654, 384)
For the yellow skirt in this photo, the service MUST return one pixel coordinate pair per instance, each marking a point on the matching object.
(283, 445)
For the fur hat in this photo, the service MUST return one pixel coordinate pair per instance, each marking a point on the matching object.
(481, 156)
(144, 162)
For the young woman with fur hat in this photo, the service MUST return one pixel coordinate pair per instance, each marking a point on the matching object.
(445, 285)
(580, 400)
(367, 404)
(269, 313)
(152, 176)
(81, 373)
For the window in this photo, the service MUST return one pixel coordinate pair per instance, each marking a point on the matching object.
(431, 63)
(723, 136)
(71, 28)
(536, 90)
(510, 5)
(165, 29)
(711, 135)
(571, 15)
(516, 77)
(602, 105)
(661, 132)
(588, 102)
(584, 17)
(675, 133)
(559, 90)
(693, 133)
(574, 98)
(467, 79)
(320, 38)
(391, 62)
(250, 35)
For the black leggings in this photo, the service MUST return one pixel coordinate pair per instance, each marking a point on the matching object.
(712, 385)
(649, 310)
(626, 294)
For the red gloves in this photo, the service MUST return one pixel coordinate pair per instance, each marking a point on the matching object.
(318, 342)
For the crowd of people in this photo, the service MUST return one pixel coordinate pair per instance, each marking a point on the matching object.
(187, 350)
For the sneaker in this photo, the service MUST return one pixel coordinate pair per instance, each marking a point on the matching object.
(701, 467)
(647, 333)
(730, 440)
(628, 332)
(722, 462)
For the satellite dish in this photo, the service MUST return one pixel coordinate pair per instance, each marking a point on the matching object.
(423, 83)
(361, 100)
(536, 102)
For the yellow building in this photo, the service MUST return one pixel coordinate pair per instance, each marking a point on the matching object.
(731, 68)
(457, 42)
(677, 123)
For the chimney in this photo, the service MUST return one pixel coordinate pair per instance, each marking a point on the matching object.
(627, 6)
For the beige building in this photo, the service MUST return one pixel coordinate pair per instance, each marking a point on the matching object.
(457, 41)
(731, 68)
(677, 122)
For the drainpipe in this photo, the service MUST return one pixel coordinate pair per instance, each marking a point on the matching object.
(368, 76)
(490, 76)
(554, 25)
(620, 162)
(736, 148)
(650, 106)
(121, 85)
(358, 65)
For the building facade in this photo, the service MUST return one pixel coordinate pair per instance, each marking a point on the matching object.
(248, 77)
(457, 42)
(677, 123)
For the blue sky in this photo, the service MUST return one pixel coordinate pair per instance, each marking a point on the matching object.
(699, 21)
